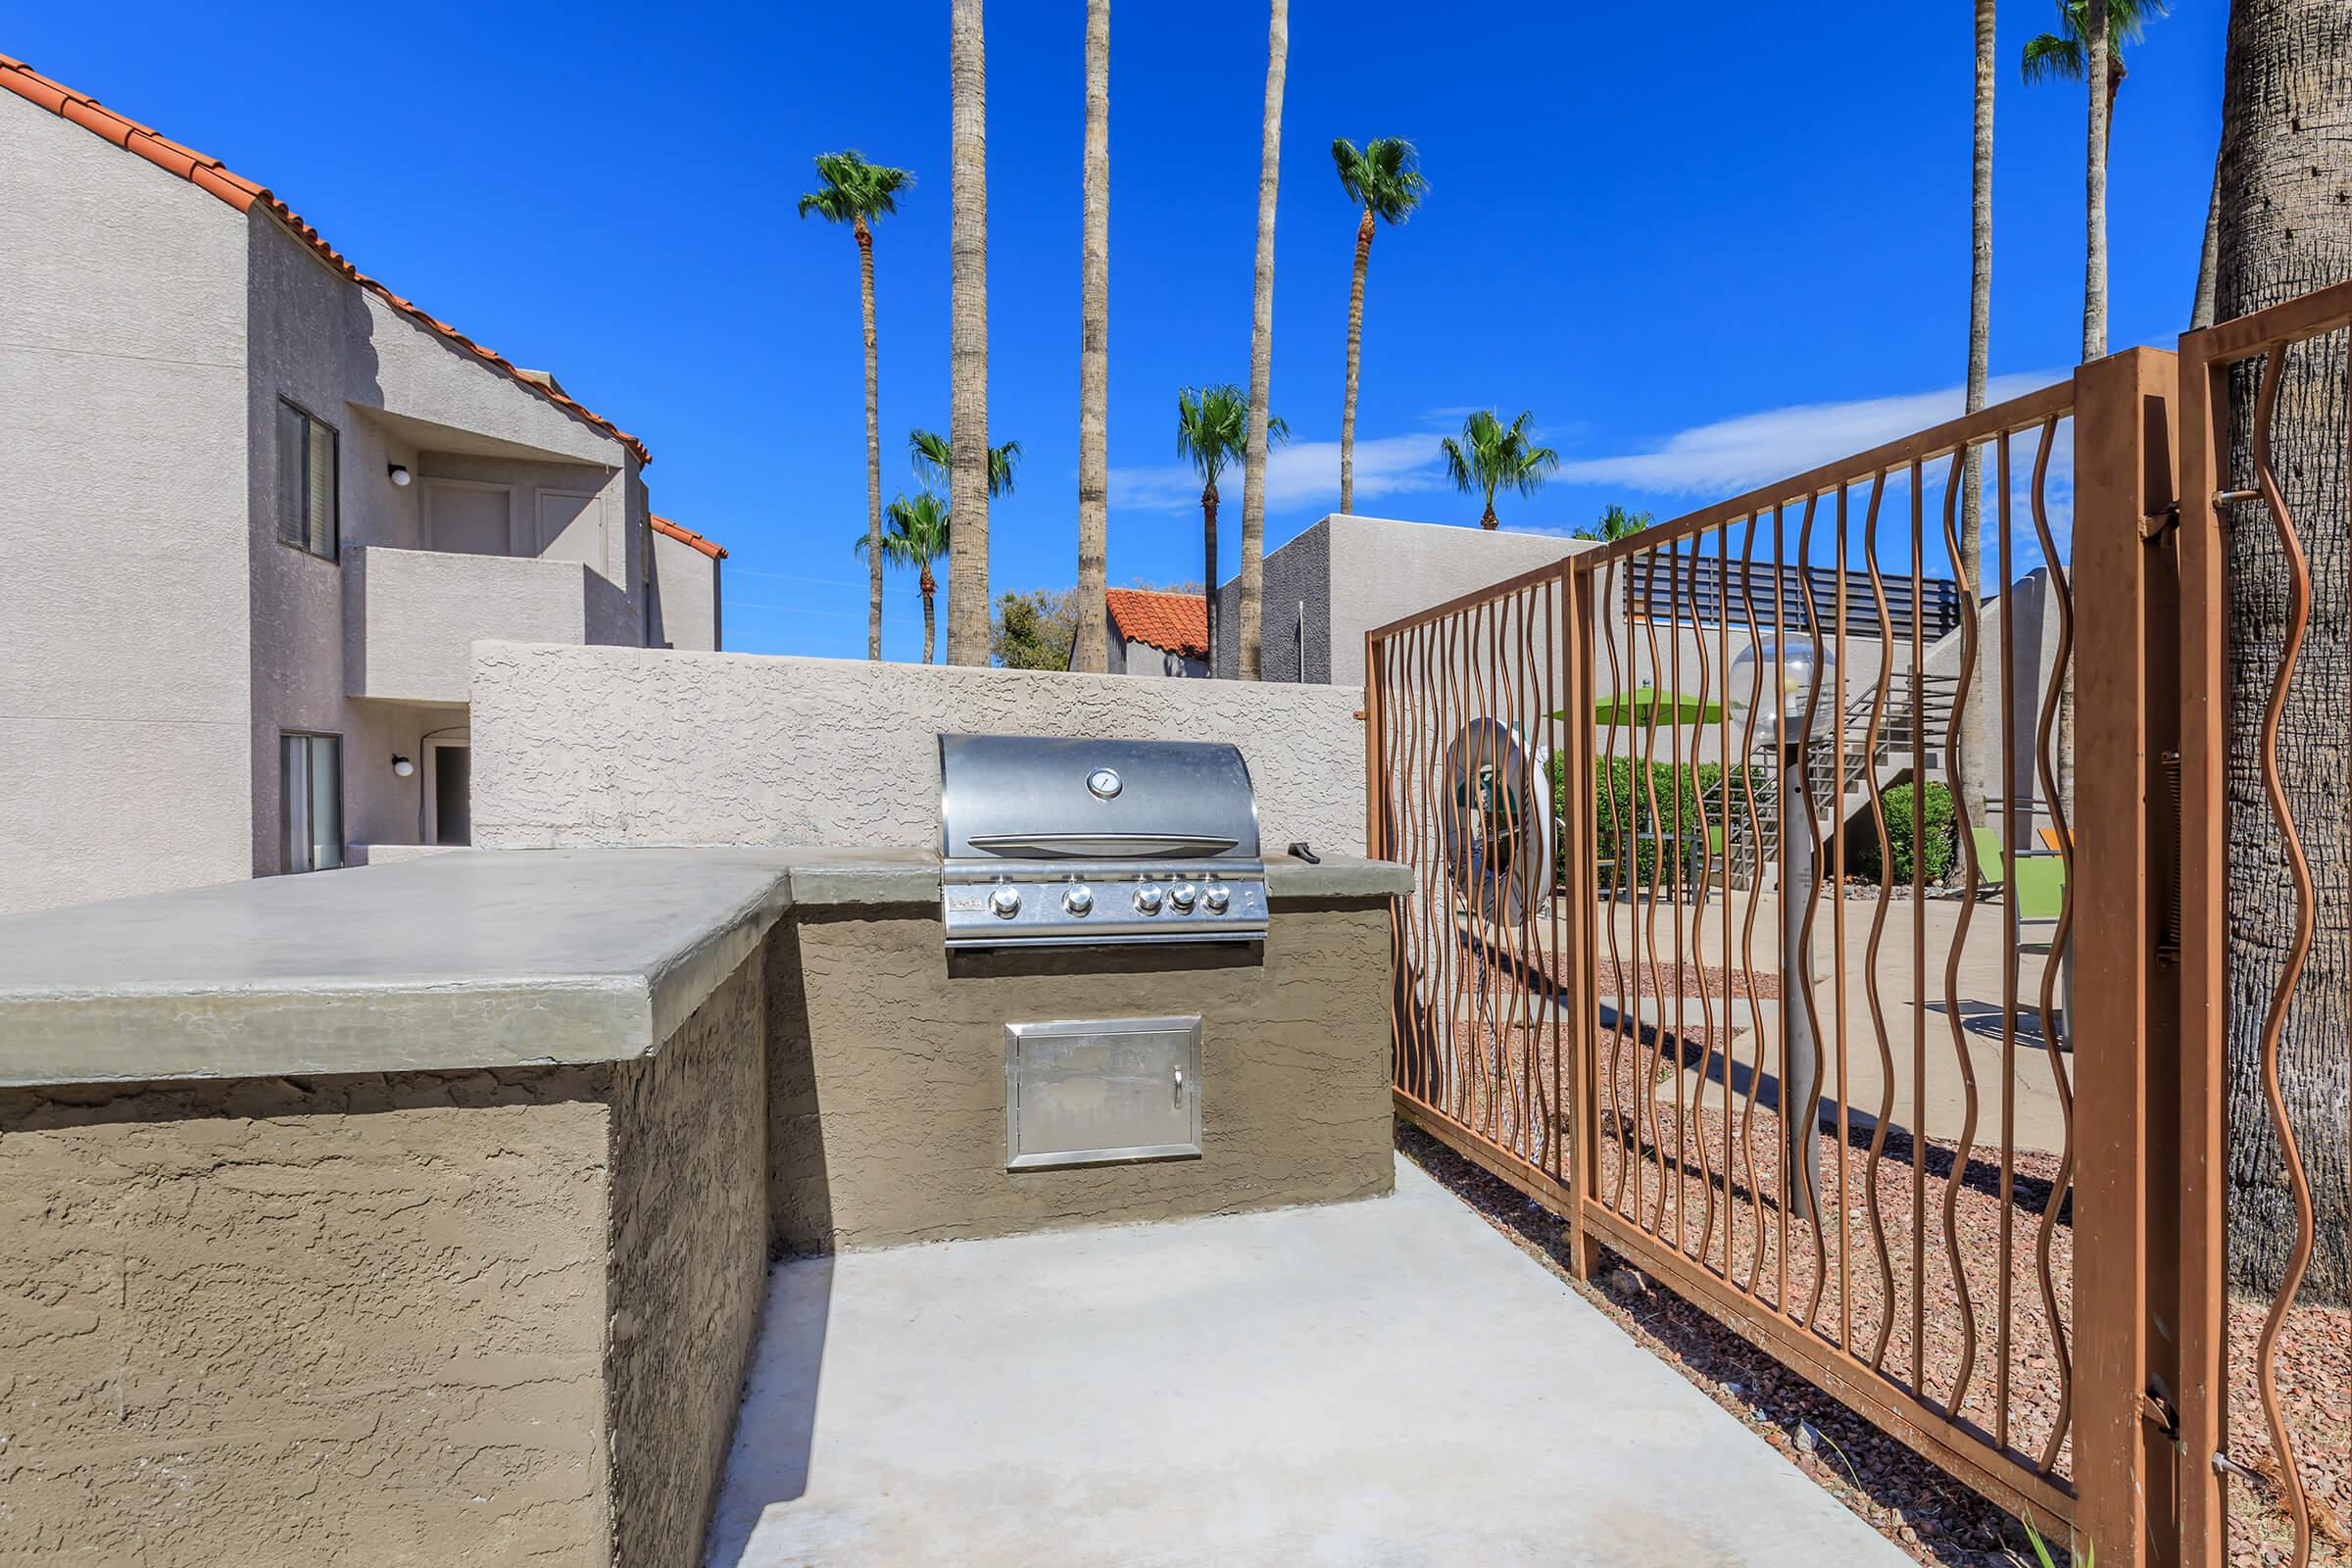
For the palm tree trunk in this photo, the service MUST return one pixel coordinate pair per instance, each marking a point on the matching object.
(2285, 183)
(873, 444)
(930, 590)
(1091, 653)
(967, 339)
(1261, 347)
(2094, 258)
(1975, 783)
(1356, 355)
(1209, 575)
(2200, 315)
(1487, 519)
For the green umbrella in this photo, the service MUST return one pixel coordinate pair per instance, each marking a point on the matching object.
(1635, 708)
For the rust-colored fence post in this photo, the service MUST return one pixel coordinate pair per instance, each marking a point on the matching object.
(2125, 1015)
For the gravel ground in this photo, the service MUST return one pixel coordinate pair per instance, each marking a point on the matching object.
(1668, 1172)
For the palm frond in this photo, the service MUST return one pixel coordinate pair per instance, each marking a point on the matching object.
(853, 188)
(2047, 56)
(929, 453)
(1383, 177)
(1457, 467)
(1213, 427)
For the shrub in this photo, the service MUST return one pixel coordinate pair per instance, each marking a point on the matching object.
(1621, 814)
(1942, 841)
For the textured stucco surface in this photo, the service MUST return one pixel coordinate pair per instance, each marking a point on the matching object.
(686, 595)
(689, 1266)
(353, 1320)
(492, 1318)
(123, 410)
(896, 1057)
(424, 609)
(620, 746)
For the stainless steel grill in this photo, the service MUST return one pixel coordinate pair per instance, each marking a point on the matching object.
(1079, 841)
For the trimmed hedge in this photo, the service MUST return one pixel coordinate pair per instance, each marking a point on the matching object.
(1621, 814)
(1942, 839)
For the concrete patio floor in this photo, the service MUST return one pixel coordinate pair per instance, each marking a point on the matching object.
(1387, 1381)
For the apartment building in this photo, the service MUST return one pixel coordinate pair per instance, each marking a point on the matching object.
(256, 508)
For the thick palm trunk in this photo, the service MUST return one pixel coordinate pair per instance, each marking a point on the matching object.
(1974, 779)
(967, 340)
(930, 591)
(1208, 575)
(1094, 351)
(1262, 348)
(1487, 519)
(1355, 357)
(2285, 187)
(873, 445)
(2094, 187)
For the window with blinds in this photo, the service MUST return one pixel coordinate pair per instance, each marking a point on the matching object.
(307, 458)
(309, 802)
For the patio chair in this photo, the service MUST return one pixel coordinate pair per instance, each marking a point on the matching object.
(2040, 878)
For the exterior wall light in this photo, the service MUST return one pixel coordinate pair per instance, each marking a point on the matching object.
(401, 767)
(399, 472)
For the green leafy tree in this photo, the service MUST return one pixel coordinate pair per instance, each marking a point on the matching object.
(1212, 425)
(1614, 524)
(935, 462)
(1493, 455)
(1035, 630)
(916, 537)
(1383, 178)
(858, 193)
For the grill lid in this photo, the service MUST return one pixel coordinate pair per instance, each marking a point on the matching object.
(1030, 798)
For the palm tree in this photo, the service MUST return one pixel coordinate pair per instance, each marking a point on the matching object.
(917, 536)
(1975, 782)
(967, 337)
(1614, 524)
(1384, 178)
(2285, 162)
(1261, 347)
(934, 462)
(1494, 455)
(2088, 47)
(856, 193)
(1091, 653)
(1212, 427)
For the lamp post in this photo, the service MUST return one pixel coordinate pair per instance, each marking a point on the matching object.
(1790, 665)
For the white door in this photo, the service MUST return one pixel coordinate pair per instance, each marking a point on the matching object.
(568, 528)
(467, 518)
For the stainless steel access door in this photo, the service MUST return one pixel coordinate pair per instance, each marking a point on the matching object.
(1088, 1092)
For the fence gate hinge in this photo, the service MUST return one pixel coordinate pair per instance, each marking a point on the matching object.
(2154, 1408)
(2153, 523)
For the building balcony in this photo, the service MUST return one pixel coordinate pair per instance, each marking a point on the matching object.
(421, 611)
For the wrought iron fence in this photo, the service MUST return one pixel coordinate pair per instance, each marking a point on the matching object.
(1947, 1142)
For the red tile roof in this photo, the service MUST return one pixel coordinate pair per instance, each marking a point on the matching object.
(687, 536)
(208, 174)
(1177, 622)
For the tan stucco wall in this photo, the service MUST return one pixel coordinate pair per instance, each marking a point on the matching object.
(423, 610)
(887, 1076)
(686, 596)
(488, 1318)
(123, 506)
(614, 746)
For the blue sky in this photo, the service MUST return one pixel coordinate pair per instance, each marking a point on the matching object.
(1661, 244)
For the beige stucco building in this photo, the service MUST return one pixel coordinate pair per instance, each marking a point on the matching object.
(258, 509)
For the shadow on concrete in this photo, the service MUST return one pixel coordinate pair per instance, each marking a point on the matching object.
(768, 1466)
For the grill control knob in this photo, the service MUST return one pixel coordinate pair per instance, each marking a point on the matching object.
(1182, 896)
(1146, 899)
(1216, 897)
(1005, 902)
(1078, 900)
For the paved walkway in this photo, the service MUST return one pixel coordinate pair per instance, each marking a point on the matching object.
(1387, 1381)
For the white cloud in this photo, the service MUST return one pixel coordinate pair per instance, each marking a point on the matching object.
(1299, 475)
(1729, 456)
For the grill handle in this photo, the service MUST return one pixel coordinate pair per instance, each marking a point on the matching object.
(1101, 846)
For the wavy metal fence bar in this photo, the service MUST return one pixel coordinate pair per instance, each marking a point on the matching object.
(1896, 1132)
(2265, 1419)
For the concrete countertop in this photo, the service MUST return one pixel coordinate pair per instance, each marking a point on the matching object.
(473, 959)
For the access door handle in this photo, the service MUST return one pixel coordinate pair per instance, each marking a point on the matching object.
(1180, 1089)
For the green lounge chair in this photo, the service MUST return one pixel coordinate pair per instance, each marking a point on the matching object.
(2040, 878)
